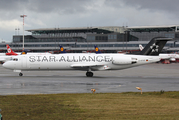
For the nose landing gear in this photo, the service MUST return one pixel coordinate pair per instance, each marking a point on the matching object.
(20, 74)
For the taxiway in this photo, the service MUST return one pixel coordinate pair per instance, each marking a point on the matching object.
(152, 77)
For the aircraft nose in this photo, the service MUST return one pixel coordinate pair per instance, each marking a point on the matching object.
(7, 65)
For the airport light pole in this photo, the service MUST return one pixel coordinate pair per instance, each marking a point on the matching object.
(22, 16)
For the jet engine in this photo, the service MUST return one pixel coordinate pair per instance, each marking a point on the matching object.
(172, 59)
(124, 60)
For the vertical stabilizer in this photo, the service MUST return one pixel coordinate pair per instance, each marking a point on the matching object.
(10, 51)
(155, 46)
(141, 47)
(62, 50)
(97, 51)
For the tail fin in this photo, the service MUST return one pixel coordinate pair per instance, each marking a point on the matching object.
(62, 50)
(97, 51)
(141, 47)
(24, 52)
(155, 46)
(10, 51)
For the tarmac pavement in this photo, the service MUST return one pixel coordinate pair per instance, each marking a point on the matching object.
(151, 77)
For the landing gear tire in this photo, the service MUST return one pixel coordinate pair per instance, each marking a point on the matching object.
(20, 74)
(89, 74)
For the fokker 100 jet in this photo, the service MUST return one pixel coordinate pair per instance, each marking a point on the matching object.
(87, 61)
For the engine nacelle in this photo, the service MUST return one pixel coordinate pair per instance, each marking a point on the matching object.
(124, 60)
(172, 59)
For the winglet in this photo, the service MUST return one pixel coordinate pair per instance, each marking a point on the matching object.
(10, 51)
(62, 50)
(97, 51)
(155, 46)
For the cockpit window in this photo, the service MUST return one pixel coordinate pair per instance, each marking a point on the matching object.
(15, 59)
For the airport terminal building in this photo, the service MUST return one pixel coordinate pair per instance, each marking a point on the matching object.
(108, 39)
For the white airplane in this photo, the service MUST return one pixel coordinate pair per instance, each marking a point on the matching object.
(171, 57)
(87, 61)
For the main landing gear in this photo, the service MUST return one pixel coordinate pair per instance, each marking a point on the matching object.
(89, 74)
(20, 74)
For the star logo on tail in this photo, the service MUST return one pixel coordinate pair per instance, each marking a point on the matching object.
(154, 47)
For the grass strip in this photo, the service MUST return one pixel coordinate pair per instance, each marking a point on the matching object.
(129, 105)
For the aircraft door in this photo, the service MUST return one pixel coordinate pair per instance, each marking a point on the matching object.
(24, 62)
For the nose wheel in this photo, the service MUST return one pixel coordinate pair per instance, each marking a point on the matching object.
(89, 74)
(20, 74)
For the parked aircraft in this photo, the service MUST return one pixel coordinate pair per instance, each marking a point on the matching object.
(171, 57)
(9, 52)
(62, 50)
(7, 56)
(87, 61)
(97, 50)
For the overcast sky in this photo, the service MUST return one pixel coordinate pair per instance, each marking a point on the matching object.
(84, 13)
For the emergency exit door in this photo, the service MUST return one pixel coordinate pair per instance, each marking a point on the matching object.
(24, 62)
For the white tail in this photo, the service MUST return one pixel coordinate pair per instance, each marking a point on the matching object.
(141, 47)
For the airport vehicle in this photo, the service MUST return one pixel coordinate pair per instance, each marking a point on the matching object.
(87, 61)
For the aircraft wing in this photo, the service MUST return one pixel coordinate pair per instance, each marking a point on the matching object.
(91, 66)
(85, 65)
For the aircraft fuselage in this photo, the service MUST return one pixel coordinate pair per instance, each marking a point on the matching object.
(94, 62)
